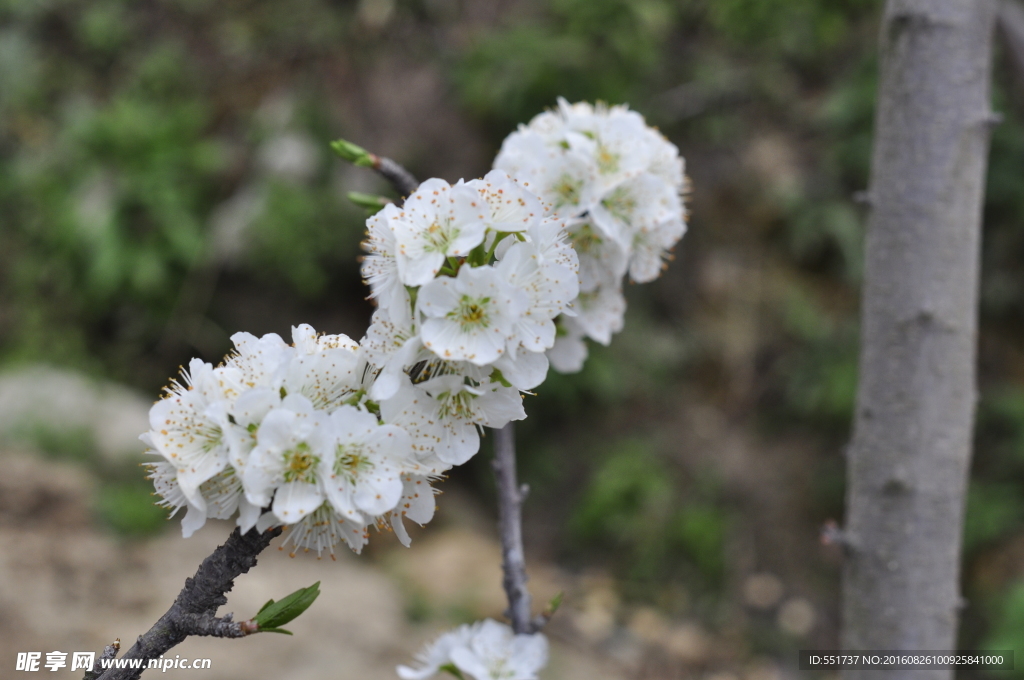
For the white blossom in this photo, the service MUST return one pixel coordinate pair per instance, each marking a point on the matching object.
(380, 264)
(443, 414)
(292, 460)
(506, 206)
(569, 351)
(618, 183)
(437, 222)
(486, 650)
(323, 529)
(366, 465)
(185, 426)
(416, 504)
(470, 317)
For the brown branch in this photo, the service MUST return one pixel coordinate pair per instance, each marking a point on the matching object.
(194, 610)
(510, 527)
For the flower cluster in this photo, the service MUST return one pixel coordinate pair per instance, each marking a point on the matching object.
(332, 436)
(283, 434)
(618, 183)
(468, 281)
(486, 650)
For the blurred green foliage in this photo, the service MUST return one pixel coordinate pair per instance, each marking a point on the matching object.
(577, 49)
(118, 144)
(660, 530)
(123, 499)
(128, 509)
(1008, 629)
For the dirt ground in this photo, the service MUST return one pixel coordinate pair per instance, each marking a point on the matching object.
(66, 585)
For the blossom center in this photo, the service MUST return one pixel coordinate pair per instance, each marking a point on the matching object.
(352, 461)
(567, 191)
(620, 203)
(437, 238)
(607, 162)
(471, 313)
(456, 405)
(300, 464)
(585, 240)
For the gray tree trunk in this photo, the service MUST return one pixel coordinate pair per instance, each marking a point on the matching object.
(908, 463)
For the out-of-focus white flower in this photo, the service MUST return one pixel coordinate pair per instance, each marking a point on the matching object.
(569, 351)
(549, 288)
(618, 183)
(601, 257)
(486, 650)
(437, 654)
(600, 313)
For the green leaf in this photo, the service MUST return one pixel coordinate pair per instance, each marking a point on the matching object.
(276, 614)
(282, 631)
(371, 203)
(555, 603)
(269, 602)
(352, 153)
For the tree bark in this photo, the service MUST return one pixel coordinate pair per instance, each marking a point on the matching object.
(510, 529)
(908, 463)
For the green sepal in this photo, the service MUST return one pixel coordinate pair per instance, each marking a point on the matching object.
(282, 631)
(497, 377)
(453, 669)
(273, 615)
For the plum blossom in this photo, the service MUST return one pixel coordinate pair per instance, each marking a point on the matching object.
(486, 650)
(618, 184)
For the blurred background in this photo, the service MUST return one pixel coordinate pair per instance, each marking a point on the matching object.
(165, 181)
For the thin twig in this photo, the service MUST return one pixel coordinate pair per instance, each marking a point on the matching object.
(194, 610)
(109, 652)
(401, 179)
(510, 527)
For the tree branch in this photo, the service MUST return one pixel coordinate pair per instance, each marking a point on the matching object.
(194, 610)
(401, 179)
(109, 652)
(510, 526)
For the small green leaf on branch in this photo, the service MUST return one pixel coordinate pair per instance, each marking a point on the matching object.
(371, 203)
(554, 604)
(353, 153)
(273, 615)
